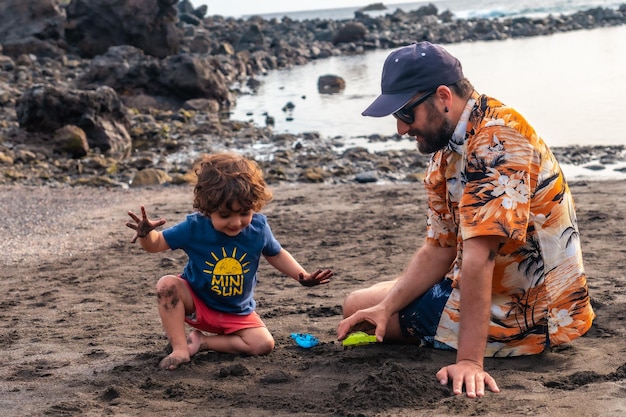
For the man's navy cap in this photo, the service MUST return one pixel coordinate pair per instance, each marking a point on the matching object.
(419, 67)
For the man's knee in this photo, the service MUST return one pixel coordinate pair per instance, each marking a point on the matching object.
(352, 303)
(366, 297)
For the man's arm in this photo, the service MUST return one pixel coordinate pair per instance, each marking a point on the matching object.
(427, 267)
(475, 287)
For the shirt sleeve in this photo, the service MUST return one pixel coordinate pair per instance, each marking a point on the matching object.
(272, 247)
(177, 235)
(441, 229)
(496, 198)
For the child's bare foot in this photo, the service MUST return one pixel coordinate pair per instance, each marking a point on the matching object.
(172, 362)
(194, 342)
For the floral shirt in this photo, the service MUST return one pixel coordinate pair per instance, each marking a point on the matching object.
(497, 177)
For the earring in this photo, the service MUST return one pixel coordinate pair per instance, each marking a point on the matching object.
(445, 109)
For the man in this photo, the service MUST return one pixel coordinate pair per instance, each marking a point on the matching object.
(501, 271)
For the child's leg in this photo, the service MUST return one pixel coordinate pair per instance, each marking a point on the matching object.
(254, 341)
(174, 302)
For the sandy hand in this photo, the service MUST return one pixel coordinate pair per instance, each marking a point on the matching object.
(143, 225)
(316, 278)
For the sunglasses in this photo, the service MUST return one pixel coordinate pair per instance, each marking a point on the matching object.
(407, 114)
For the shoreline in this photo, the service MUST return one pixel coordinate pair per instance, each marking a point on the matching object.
(41, 237)
(139, 115)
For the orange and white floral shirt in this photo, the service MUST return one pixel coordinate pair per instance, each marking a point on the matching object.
(497, 177)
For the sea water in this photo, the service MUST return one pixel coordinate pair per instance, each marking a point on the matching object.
(570, 86)
(461, 9)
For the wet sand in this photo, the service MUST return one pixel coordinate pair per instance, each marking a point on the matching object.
(81, 336)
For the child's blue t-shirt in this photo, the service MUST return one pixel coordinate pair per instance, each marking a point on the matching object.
(222, 270)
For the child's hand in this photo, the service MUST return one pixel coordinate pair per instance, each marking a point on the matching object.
(143, 226)
(316, 278)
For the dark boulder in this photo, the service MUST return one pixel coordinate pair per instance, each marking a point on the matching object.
(189, 76)
(330, 84)
(173, 80)
(123, 68)
(350, 32)
(95, 25)
(32, 27)
(100, 114)
(251, 39)
(188, 14)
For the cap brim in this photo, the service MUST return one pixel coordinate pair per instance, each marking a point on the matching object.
(386, 104)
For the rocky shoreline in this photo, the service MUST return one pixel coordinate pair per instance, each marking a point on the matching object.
(135, 102)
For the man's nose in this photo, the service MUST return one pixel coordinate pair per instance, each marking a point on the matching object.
(402, 127)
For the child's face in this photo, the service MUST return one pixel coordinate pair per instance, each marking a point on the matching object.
(231, 223)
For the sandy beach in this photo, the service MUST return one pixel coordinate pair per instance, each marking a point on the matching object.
(81, 334)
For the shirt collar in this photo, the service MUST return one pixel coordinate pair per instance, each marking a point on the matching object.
(460, 132)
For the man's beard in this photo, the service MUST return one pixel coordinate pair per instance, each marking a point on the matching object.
(438, 134)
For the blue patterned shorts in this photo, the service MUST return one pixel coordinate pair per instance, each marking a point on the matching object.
(421, 317)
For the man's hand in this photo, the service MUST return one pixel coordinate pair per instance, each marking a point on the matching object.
(365, 320)
(470, 374)
(316, 278)
(143, 226)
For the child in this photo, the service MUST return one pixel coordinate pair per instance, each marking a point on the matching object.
(224, 240)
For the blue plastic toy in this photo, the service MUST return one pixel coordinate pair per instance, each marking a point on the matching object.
(305, 340)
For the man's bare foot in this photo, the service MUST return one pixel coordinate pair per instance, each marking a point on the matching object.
(172, 362)
(194, 342)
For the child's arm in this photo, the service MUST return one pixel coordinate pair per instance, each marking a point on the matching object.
(287, 264)
(149, 239)
(154, 242)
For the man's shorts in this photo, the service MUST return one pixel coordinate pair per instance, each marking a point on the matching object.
(421, 317)
(213, 321)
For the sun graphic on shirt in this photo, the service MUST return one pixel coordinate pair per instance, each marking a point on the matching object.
(227, 265)
(227, 273)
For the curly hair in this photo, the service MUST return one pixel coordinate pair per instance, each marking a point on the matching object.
(226, 179)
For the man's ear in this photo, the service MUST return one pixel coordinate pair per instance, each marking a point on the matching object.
(444, 95)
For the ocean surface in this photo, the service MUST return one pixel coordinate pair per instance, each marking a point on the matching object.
(461, 8)
(569, 86)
